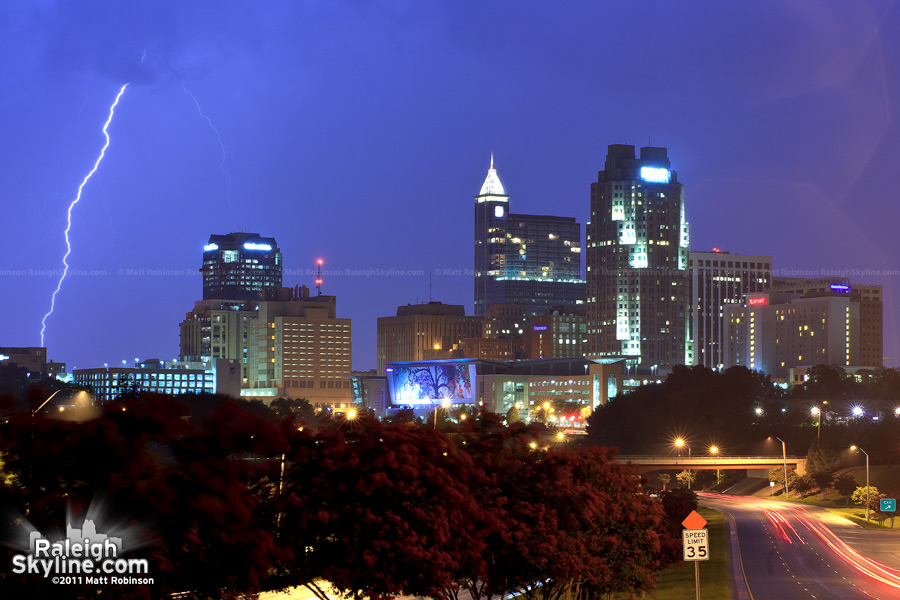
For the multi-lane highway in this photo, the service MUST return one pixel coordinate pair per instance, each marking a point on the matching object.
(780, 551)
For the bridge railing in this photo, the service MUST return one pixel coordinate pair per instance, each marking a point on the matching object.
(703, 457)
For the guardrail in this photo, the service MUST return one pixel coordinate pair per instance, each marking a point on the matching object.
(707, 458)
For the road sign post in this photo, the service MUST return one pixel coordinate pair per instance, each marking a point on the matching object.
(696, 544)
(695, 541)
(889, 505)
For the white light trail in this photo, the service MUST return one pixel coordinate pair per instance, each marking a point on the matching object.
(87, 177)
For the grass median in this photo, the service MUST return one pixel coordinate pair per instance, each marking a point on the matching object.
(677, 582)
(837, 505)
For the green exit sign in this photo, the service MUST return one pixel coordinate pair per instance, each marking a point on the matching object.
(888, 504)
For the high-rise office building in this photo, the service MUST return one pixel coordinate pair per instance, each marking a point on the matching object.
(560, 332)
(217, 329)
(719, 279)
(637, 259)
(423, 332)
(507, 321)
(299, 348)
(240, 266)
(529, 259)
(871, 328)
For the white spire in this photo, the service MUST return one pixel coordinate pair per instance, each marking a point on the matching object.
(492, 185)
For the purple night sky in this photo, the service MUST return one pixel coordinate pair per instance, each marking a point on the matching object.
(359, 131)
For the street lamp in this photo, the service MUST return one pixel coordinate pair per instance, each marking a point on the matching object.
(714, 450)
(43, 404)
(680, 443)
(787, 493)
(445, 404)
(867, 477)
(816, 412)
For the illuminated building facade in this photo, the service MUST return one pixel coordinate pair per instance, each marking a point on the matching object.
(299, 348)
(533, 260)
(637, 260)
(507, 321)
(162, 377)
(240, 266)
(871, 327)
(774, 332)
(719, 279)
(490, 348)
(218, 329)
(869, 299)
(558, 333)
(424, 331)
(575, 386)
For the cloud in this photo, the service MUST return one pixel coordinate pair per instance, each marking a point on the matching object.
(136, 42)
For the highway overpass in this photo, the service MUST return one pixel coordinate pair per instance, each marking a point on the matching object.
(646, 464)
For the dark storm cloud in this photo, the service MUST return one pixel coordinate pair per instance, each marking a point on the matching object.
(138, 42)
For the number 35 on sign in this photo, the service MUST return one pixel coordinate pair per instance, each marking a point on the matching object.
(696, 544)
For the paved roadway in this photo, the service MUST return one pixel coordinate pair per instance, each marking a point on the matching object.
(781, 551)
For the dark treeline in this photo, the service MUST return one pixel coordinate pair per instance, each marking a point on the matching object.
(227, 500)
(739, 411)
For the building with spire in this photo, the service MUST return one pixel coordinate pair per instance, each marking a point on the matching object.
(637, 260)
(533, 260)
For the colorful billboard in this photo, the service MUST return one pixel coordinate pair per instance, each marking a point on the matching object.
(431, 383)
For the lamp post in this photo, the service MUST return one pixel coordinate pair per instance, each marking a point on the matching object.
(714, 450)
(867, 477)
(817, 412)
(787, 493)
(680, 443)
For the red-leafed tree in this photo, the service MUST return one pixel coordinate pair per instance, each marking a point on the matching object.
(563, 522)
(376, 511)
(179, 487)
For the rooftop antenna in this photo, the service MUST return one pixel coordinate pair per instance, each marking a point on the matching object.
(430, 273)
(319, 276)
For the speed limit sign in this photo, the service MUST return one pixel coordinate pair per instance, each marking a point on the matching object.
(696, 544)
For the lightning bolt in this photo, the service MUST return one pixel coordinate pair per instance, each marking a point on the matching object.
(218, 137)
(112, 110)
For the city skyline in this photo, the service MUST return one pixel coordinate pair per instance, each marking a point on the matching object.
(356, 134)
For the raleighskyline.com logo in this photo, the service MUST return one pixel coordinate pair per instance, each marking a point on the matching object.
(85, 556)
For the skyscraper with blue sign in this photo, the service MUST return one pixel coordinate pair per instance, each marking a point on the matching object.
(637, 259)
(533, 260)
(240, 266)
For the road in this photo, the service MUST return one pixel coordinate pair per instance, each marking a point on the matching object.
(780, 551)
